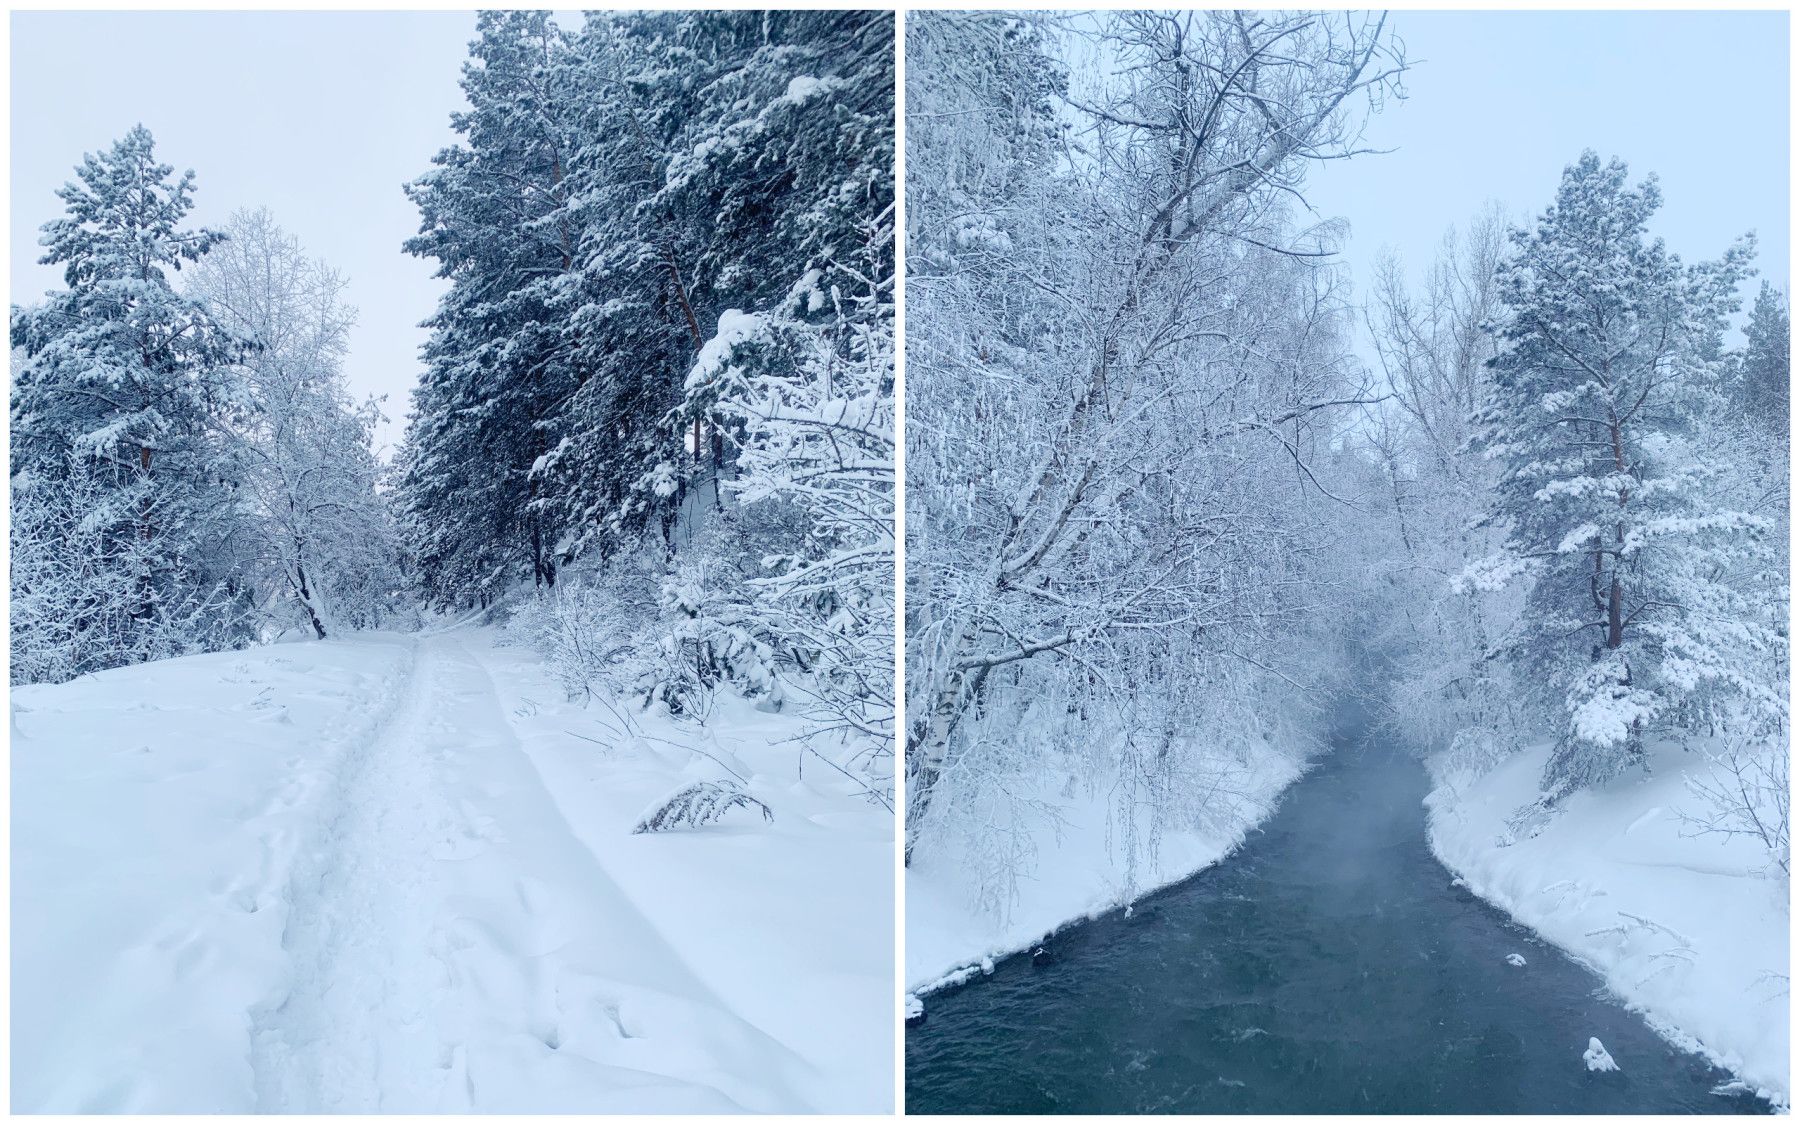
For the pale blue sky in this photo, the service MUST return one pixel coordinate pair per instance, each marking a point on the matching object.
(1499, 103)
(322, 116)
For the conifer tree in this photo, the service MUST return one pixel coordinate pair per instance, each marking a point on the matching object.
(127, 384)
(494, 215)
(1594, 413)
(1761, 389)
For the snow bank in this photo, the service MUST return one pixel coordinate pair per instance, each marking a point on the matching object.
(398, 874)
(1078, 873)
(157, 813)
(1681, 927)
(789, 923)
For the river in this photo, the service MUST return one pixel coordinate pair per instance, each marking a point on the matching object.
(1330, 965)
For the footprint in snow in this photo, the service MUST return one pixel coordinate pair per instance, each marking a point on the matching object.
(615, 1013)
(531, 895)
(187, 951)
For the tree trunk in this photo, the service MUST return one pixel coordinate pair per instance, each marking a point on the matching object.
(1615, 598)
(537, 552)
(312, 614)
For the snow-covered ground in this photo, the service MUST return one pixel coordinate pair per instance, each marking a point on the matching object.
(1077, 872)
(1682, 927)
(398, 873)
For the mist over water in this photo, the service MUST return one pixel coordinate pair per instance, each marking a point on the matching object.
(1329, 966)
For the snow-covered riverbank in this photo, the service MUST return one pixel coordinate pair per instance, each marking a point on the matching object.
(1682, 927)
(398, 873)
(1078, 869)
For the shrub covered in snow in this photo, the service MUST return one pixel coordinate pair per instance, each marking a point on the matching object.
(1743, 791)
(86, 598)
(697, 805)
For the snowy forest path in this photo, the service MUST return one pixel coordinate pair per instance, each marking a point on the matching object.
(453, 946)
(1332, 964)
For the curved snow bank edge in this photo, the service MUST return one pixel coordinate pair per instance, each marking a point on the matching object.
(1440, 804)
(968, 966)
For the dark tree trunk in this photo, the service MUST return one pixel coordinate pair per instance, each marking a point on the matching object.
(306, 601)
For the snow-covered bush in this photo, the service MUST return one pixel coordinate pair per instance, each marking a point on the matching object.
(987, 823)
(813, 428)
(591, 627)
(1743, 790)
(708, 638)
(84, 596)
(668, 635)
(699, 804)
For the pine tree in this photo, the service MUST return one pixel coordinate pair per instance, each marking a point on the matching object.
(635, 329)
(792, 393)
(617, 192)
(725, 155)
(1761, 386)
(128, 383)
(624, 202)
(494, 213)
(1595, 413)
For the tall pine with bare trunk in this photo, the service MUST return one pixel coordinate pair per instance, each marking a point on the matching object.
(1595, 413)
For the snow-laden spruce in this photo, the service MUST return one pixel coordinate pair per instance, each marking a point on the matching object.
(120, 388)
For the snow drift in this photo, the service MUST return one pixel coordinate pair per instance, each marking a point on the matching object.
(1684, 928)
(398, 874)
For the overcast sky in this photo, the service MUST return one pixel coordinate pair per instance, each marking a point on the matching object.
(322, 116)
(1499, 103)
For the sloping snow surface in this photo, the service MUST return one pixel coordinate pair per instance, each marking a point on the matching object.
(1683, 927)
(397, 873)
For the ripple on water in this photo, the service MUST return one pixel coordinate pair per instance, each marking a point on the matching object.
(1330, 966)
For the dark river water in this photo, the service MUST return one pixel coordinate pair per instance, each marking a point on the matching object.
(1327, 966)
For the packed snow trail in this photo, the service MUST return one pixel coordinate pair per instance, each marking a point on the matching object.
(436, 952)
(372, 902)
(1330, 965)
